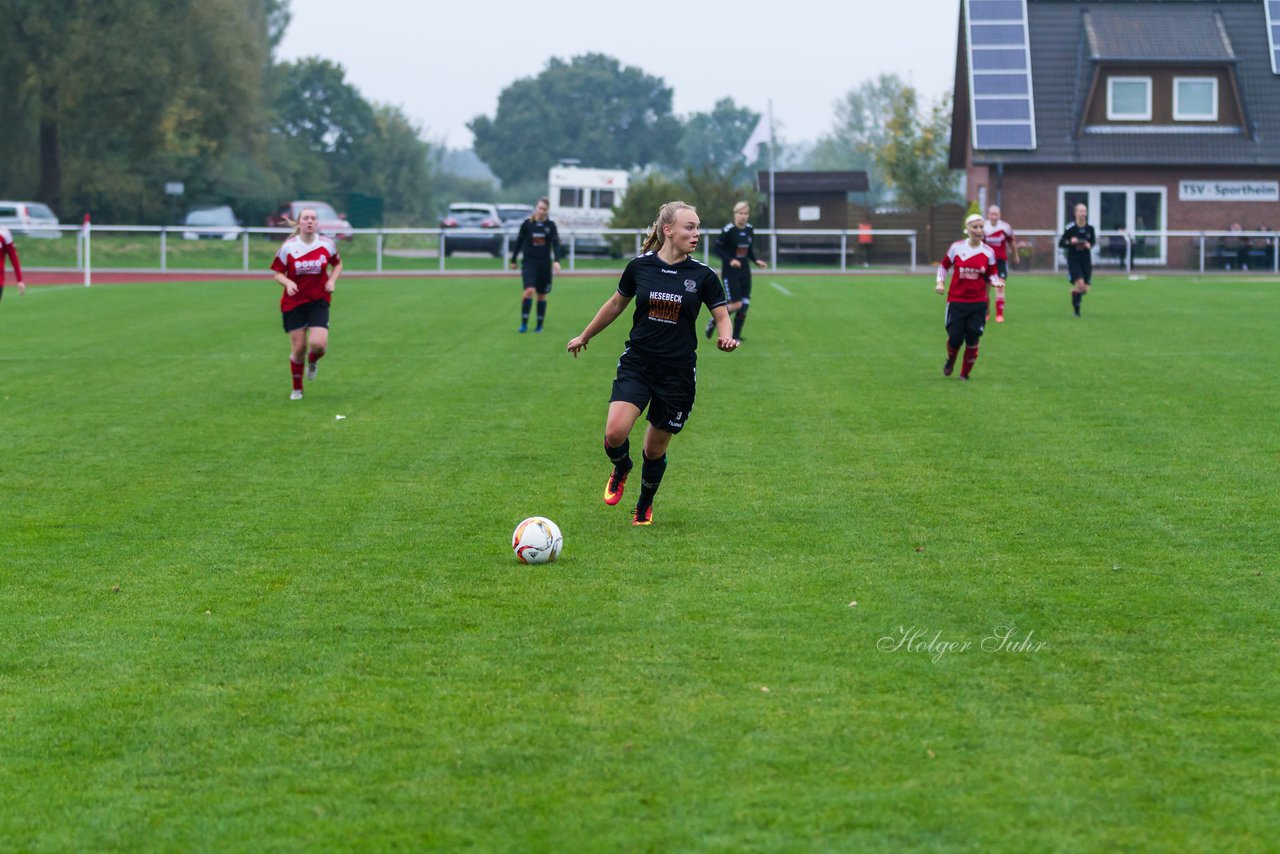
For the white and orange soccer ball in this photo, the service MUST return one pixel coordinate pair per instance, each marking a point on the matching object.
(537, 540)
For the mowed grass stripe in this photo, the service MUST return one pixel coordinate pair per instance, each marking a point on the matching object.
(320, 638)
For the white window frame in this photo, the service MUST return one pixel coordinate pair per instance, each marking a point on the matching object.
(1179, 116)
(1095, 191)
(1127, 117)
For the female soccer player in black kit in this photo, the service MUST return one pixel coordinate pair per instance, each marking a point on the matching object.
(1079, 240)
(658, 367)
(734, 248)
(541, 244)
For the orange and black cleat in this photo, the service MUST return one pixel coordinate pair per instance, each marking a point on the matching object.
(643, 517)
(613, 488)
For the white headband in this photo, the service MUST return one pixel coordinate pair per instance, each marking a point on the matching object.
(972, 217)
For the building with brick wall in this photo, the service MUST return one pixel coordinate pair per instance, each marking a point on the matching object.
(1157, 114)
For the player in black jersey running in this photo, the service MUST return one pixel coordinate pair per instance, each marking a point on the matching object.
(733, 245)
(1079, 240)
(540, 241)
(658, 367)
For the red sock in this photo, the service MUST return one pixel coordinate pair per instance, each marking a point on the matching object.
(970, 356)
(314, 357)
(952, 352)
(999, 307)
(295, 368)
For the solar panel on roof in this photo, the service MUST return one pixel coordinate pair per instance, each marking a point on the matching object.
(1000, 74)
(1273, 33)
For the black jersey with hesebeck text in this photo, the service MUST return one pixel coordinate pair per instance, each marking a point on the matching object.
(734, 242)
(668, 298)
(539, 240)
(1080, 233)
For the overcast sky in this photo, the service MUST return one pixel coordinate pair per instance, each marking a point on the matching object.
(444, 63)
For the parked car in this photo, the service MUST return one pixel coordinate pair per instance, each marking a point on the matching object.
(332, 223)
(512, 216)
(473, 227)
(29, 219)
(218, 223)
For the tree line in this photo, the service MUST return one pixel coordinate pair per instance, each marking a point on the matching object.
(107, 101)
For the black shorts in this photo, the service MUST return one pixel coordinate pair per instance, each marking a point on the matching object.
(667, 391)
(536, 275)
(1079, 267)
(738, 282)
(966, 319)
(1002, 267)
(314, 313)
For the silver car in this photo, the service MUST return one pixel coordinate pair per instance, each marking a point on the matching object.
(29, 219)
(512, 216)
(215, 223)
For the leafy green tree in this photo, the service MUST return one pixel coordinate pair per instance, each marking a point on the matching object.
(645, 194)
(109, 124)
(860, 130)
(914, 155)
(713, 193)
(329, 128)
(590, 108)
(714, 140)
(401, 166)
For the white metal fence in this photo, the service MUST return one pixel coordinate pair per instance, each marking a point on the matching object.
(254, 247)
(426, 251)
(1188, 251)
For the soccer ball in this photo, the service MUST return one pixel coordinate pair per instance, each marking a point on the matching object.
(537, 540)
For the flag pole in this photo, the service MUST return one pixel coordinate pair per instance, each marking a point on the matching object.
(774, 241)
(88, 250)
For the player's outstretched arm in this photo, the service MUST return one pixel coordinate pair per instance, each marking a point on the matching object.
(607, 314)
(724, 329)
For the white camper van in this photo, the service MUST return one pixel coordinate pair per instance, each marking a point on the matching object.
(583, 199)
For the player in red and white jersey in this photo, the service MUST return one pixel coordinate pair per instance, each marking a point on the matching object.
(972, 265)
(8, 249)
(302, 269)
(999, 236)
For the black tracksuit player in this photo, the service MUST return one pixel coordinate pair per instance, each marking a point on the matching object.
(734, 246)
(540, 242)
(1078, 240)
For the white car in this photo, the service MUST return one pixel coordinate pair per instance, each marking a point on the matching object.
(29, 219)
(216, 223)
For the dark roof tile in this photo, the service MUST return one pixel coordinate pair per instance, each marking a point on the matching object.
(1152, 33)
(816, 182)
(1062, 62)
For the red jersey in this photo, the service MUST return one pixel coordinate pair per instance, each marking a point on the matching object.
(972, 268)
(998, 237)
(307, 264)
(7, 248)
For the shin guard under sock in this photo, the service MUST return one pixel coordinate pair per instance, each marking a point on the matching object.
(651, 472)
(620, 456)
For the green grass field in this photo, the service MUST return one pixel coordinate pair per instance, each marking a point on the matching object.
(236, 622)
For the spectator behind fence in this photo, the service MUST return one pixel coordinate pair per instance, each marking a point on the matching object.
(1269, 246)
(1235, 246)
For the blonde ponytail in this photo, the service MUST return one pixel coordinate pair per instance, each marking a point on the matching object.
(666, 216)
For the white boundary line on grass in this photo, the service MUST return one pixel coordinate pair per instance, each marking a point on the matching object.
(782, 289)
